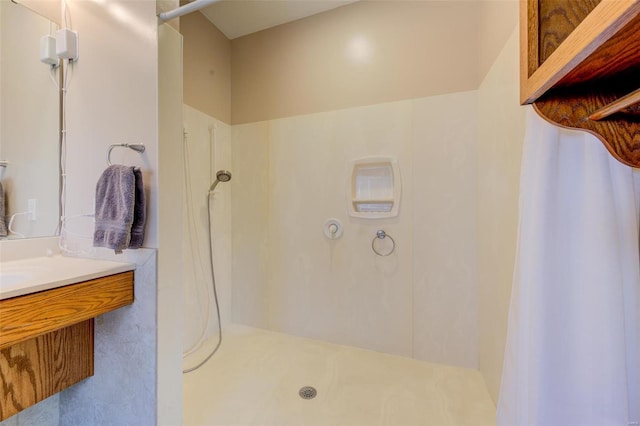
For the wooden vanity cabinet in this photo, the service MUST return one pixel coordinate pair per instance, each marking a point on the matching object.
(46, 338)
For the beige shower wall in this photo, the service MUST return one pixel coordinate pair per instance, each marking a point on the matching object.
(500, 137)
(364, 53)
(207, 67)
(291, 174)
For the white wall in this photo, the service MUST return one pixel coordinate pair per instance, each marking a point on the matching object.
(500, 139)
(291, 174)
(170, 216)
(112, 99)
(29, 129)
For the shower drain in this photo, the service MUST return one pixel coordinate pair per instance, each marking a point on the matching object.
(307, 392)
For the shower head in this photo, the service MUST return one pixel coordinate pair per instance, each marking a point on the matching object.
(221, 176)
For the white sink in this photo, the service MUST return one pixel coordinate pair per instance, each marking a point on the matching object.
(11, 279)
(20, 277)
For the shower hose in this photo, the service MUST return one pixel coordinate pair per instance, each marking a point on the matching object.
(211, 268)
(215, 295)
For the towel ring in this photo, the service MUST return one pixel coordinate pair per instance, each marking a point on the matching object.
(381, 235)
(136, 147)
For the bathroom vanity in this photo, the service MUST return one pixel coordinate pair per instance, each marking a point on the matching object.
(47, 311)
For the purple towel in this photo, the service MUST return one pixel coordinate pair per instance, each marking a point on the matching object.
(139, 212)
(120, 209)
(3, 222)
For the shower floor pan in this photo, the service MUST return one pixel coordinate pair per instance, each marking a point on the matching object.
(257, 376)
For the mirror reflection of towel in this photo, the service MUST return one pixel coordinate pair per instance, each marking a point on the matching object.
(3, 219)
(120, 209)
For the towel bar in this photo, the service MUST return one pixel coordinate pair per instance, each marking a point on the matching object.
(381, 235)
(136, 147)
(4, 163)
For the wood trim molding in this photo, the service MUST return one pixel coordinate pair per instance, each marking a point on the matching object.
(609, 17)
(32, 315)
(525, 44)
(570, 108)
(616, 106)
(586, 78)
(533, 28)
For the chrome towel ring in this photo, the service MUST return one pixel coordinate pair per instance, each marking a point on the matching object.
(136, 147)
(381, 235)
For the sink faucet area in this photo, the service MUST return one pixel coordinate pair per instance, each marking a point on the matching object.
(32, 265)
(25, 276)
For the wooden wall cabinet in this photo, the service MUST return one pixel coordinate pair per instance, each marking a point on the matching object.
(580, 67)
(46, 338)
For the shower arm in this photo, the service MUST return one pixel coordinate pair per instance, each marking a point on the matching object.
(183, 10)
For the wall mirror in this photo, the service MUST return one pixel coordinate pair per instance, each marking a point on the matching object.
(29, 120)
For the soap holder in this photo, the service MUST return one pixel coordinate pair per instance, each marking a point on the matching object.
(374, 188)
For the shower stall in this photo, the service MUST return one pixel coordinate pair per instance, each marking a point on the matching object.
(294, 109)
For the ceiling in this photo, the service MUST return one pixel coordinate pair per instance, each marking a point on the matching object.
(236, 18)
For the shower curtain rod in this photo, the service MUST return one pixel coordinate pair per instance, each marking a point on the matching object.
(183, 10)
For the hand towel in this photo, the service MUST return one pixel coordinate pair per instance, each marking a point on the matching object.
(3, 219)
(139, 212)
(115, 206)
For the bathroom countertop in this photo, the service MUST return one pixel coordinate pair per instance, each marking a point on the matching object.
(25, 276)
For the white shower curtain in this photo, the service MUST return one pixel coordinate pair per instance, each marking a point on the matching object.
(572, 354)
